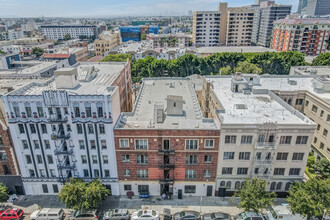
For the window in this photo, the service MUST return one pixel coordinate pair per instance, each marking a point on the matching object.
(50, 159)
(246, 139)
(83, 159)
(191, 144)
(25, 144)
(306, 103)
(321, 145)
(142, 173)
(297, 156)
(42, 173)
(141, 144)
(190, 174)
(282, 156)
(209, 143)
(127, 187)
(318, 127)
(79, 129)
(208, 159)
(228, 155)
(17, 113)
(321, 113)
(285, 139)
(86, 174)
(227, 170)
(101, 128)
(76, 111)
(21, 128)
(47, 144)
(90, 129)
(328, 118)
(207, 173)
(279, 171)
(103, 144)
(94, 159)
(105, 159)
(96, 173)
(315, 140)
(28, 159)
(287, 186)
(325, 132)
(39, 159)
(123, 143)
(314, 108)
(142, 159)
(244, 156)
(189, 189)
(126, 172)
(125, 158)
(45, 188)
(28, 111)
(299, 101)
(143, 188)
(32, 173)
(294, 171)
(191, 159)
(93, 144)
(82, 144)
(36, 144)
(99, 112)
(88, 112)
(230, 139)
(52, 173)
(32, 128)
(301, 139)
(55, 188)
(242, 171)
(44, 128)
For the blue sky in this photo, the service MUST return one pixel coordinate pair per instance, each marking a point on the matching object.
(89, 8)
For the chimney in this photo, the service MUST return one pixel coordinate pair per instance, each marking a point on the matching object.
(66, 78)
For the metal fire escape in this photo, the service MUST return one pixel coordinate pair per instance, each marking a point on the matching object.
(264, 151)
(166, 165)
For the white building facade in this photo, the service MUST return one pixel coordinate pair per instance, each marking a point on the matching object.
(59, 32)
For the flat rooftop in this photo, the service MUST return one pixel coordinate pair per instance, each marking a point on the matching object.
(156, 92)
(253, 108)
(310, 70)
(94, 79)
(252, 49)
(7, 85)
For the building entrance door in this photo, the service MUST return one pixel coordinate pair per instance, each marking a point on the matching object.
(209, 191)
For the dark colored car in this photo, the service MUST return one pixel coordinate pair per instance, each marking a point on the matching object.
(216, 216)
(249, 216)
(191, 215)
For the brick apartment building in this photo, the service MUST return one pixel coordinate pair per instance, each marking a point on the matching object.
(166, 145)
(308, 36)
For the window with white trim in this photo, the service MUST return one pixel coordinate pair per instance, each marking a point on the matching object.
(246, 139)
(209, 143)
(123, 143)
(141, 144)
(191, 144)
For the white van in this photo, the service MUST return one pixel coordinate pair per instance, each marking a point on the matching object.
(282, 212)
(48, 214)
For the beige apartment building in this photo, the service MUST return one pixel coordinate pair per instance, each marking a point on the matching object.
(106, 41)
(232, 26)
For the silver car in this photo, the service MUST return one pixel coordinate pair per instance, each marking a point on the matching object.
(216, 216)
(190, 215)
(116, 214)
(87, 215)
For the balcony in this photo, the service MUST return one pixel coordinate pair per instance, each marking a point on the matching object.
(163, 151)
(56, 119)
(264, 145)
(166, 180)
(59, 151)
(60, 136)
(168, 165)
(66, 166)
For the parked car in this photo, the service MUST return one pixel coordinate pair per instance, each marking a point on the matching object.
(145, 214)
(249, 216)
(216, 216)
(144, 194)
(48, 214)
(116, 214)
(282, 212)
(87, 215)
(10, 214)
(191, 215)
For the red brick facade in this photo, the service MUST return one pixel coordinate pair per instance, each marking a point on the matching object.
(8, 161)
(176, 155)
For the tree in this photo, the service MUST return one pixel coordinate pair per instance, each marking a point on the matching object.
(117, 58)
(322, 60)
(2, 52)
(3, 193)
(37, 51)
(143, 37)
(79, 195)
(310, 198)
(247, 67)
(67, 37)
(253, 195)
(225, 71)
(322, 168)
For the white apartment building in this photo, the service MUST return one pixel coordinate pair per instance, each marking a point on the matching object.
(58, 32)
(63, 127)
(206, 28)
(14, 35)
(261, 135)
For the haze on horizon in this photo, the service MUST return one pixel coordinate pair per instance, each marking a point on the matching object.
(114, 8)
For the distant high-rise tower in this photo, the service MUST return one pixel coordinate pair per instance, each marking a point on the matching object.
(316, 8)
(257, 2)
(302, 5)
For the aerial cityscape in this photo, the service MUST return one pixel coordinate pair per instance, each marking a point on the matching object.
(161, 110)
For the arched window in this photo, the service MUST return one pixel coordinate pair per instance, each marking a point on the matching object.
(243, 183)
(222, 184)
(228, 185)
(237, 185)
(279, 186)
(287, 186)
(272, 186)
